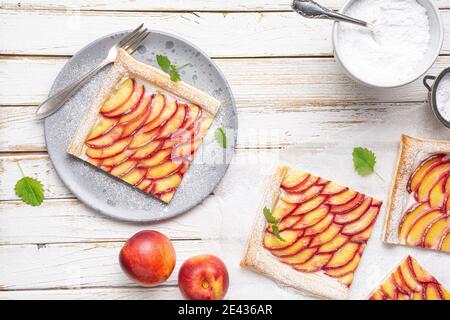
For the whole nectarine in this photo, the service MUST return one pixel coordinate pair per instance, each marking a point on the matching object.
(148, 258)
(203, 277)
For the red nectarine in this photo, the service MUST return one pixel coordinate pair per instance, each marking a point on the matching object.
(148, 258)
(203, 277)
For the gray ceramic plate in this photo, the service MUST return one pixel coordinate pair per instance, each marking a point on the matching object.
(108, 195)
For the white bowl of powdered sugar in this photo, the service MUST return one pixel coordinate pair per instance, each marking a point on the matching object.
(402, 42)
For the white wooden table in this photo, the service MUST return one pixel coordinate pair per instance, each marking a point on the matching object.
(289, 92)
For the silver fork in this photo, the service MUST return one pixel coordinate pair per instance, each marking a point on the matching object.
(129, 43)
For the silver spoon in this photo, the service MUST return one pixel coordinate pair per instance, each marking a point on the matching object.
(311, 9)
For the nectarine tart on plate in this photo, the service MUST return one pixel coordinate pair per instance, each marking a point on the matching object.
(144, 128)
(310, 233)
(409, 281)
(419, 205)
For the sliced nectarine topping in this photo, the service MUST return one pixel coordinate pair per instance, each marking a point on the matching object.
(295, 248)
(147, 150)
(334, 244)
(310, 205)
(437, 193)
(123, 168)
(362, 223)
(432, 292)
(349, 205)
(355, 213)
(326, 235)
(377, 295)
(103, 126)
(445, 243)
(332, 188)
(312, 217)
(342, 198)
(416, 233)
(314, 264)
(436, 232)
(388, 288)
(109, 151)
(410, 218)
(422, 170)
(119, 97)
(409, 277)
(300, 257)
(343, 255)
(167, 183)
(399, 282)
(345, 269)
(430, 179)
(273, 242)
(282, 209)
(138, 135)
(305, 207)
(306, 195)
(293, 178)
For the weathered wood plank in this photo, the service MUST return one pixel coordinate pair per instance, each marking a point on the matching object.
(258, 128)
(173, 5)
(219, 34)
(261, 83)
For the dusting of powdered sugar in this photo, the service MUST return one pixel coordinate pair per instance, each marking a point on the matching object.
(443, 97)
(389, 52)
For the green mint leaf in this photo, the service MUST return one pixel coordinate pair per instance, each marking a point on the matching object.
(174, 75)
(364, 161)
(276, 232)
(269, 217)
(221, 137)
(30, 190)
(163, 62)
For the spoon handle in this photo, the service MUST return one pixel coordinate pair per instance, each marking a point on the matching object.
(311, 9)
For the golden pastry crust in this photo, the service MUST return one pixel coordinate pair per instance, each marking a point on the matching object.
(125, 66)
(412, 152)
(261, 260)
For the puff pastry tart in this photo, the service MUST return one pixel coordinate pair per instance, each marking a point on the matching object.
(323, 230)
(409, 281)
(419, 205)
(143, 128)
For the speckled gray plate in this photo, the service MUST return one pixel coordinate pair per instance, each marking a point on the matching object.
(110, 196)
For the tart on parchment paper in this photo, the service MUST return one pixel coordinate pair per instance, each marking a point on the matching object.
(144, 128)
(419, 203)
(324, 228)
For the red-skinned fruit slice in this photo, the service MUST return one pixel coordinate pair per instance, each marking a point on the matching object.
(163, 170)
(326, 235)
(421, 171)
(409, 277)
(144, 184)
(409, 218)
(166, 197)
(123, 168)
(432, 292)
(133, 126)
(399, 282)
(272, 242)
(334, 244)
(344, 255)
(156, 107)
(436, 232)
(320, 226)
(294, 178)
(118, 159)
(175, 122)
(314, 264)
(354, 214)
(137, 112)
(103, 126)
(345, 269)
(416, 233)
(306, 195)
(347, 279)
(110, 151)
(147, 150)
(342, 198)
(135, 176)
(282, 209)
(420, 274)
(295, 248)
(310, 205)
(312, 217)
(119, 97)
(350, 205)
(300, 257)
(288, 221)
(304, 185)
(129, 105)
(437, 193)
(332, 188)
(168, 111)
(430, 179)
(362, 223)
(388, 288)
(193, 113)
(167, 184)
(156, 159)
(107, 139)
(141, 139)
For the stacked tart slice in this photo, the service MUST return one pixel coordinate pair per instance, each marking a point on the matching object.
(419, 206)
(315, 236)
(409, 281)
(143, 128)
